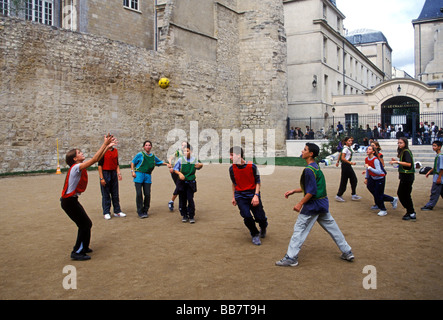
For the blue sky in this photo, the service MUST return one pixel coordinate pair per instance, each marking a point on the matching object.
(393, 18)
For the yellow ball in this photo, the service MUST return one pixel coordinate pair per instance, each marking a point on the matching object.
(163, 83)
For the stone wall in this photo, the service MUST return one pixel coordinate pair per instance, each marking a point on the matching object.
(74, 87)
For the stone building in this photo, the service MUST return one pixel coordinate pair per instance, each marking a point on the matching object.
(322, 62)
(335, 76)
(428, 30)
(227, 71)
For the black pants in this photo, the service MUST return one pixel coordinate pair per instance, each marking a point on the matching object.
(347, 173)
(186, 190)
(142, 197)
(110, 192)
(404, 194)
(252, 215)
(75, 211)
(377, 189)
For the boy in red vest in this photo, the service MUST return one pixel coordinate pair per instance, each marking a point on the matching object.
(75, 184)
(109, 172)
(246, 194)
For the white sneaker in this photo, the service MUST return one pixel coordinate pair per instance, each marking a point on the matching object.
(382, 213)
(355, 197)
(120, 214)
(107, 216)
(394, 203)
(339, 199)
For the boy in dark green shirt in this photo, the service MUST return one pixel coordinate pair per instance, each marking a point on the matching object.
(185, 168)
(313, 207)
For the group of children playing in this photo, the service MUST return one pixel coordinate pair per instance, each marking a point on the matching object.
(314, 205)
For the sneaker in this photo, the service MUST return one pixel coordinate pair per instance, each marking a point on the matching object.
(355, 197)
(120, 214)
(394, 203)
(382, 213)
(287, 262)
(143, 216)
(256, 240)
(339, 199)
(184, 219)
(171, 205)
(107, 216)
(426, 208)
(79, 256)
(192, 220)
(348, 256)
(410, 216)
(374, 207)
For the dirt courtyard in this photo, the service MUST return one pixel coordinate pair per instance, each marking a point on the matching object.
(162, 258)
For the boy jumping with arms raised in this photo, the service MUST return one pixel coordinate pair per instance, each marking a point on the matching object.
(314, 206)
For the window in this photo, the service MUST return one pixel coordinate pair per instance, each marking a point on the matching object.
(4, 7)
(351, 120)
(131, 4)
(39, 11)
(325, 49)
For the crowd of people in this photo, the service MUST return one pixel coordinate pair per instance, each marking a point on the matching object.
(246, 195)
(425, 134)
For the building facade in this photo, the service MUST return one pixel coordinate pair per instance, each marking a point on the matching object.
(428, 31)
(322, 62)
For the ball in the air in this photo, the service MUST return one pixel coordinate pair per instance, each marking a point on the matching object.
(163, 83)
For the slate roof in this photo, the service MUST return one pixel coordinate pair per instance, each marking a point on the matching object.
(360, 36)
(431, 11)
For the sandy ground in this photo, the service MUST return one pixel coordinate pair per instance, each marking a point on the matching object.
(163, 258)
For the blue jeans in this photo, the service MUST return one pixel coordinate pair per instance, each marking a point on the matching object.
(377, 188)
(303, 226)
(110, 192)
(252, 215)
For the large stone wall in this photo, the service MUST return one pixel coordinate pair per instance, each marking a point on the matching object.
(74, 87)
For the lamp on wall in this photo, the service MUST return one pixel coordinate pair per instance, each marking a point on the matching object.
(314, 82)
(398, 88)
(333, 109)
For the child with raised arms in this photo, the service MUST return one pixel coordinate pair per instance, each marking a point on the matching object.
(75, 183)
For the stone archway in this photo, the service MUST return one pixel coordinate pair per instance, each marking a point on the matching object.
(401, 110)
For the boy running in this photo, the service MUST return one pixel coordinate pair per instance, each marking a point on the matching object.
(314, 206)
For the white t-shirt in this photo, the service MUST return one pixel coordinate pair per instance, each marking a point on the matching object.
(74, 178)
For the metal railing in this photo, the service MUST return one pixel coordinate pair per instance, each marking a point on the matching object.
(373, 126)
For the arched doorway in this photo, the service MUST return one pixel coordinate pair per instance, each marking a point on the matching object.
(401, 110)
